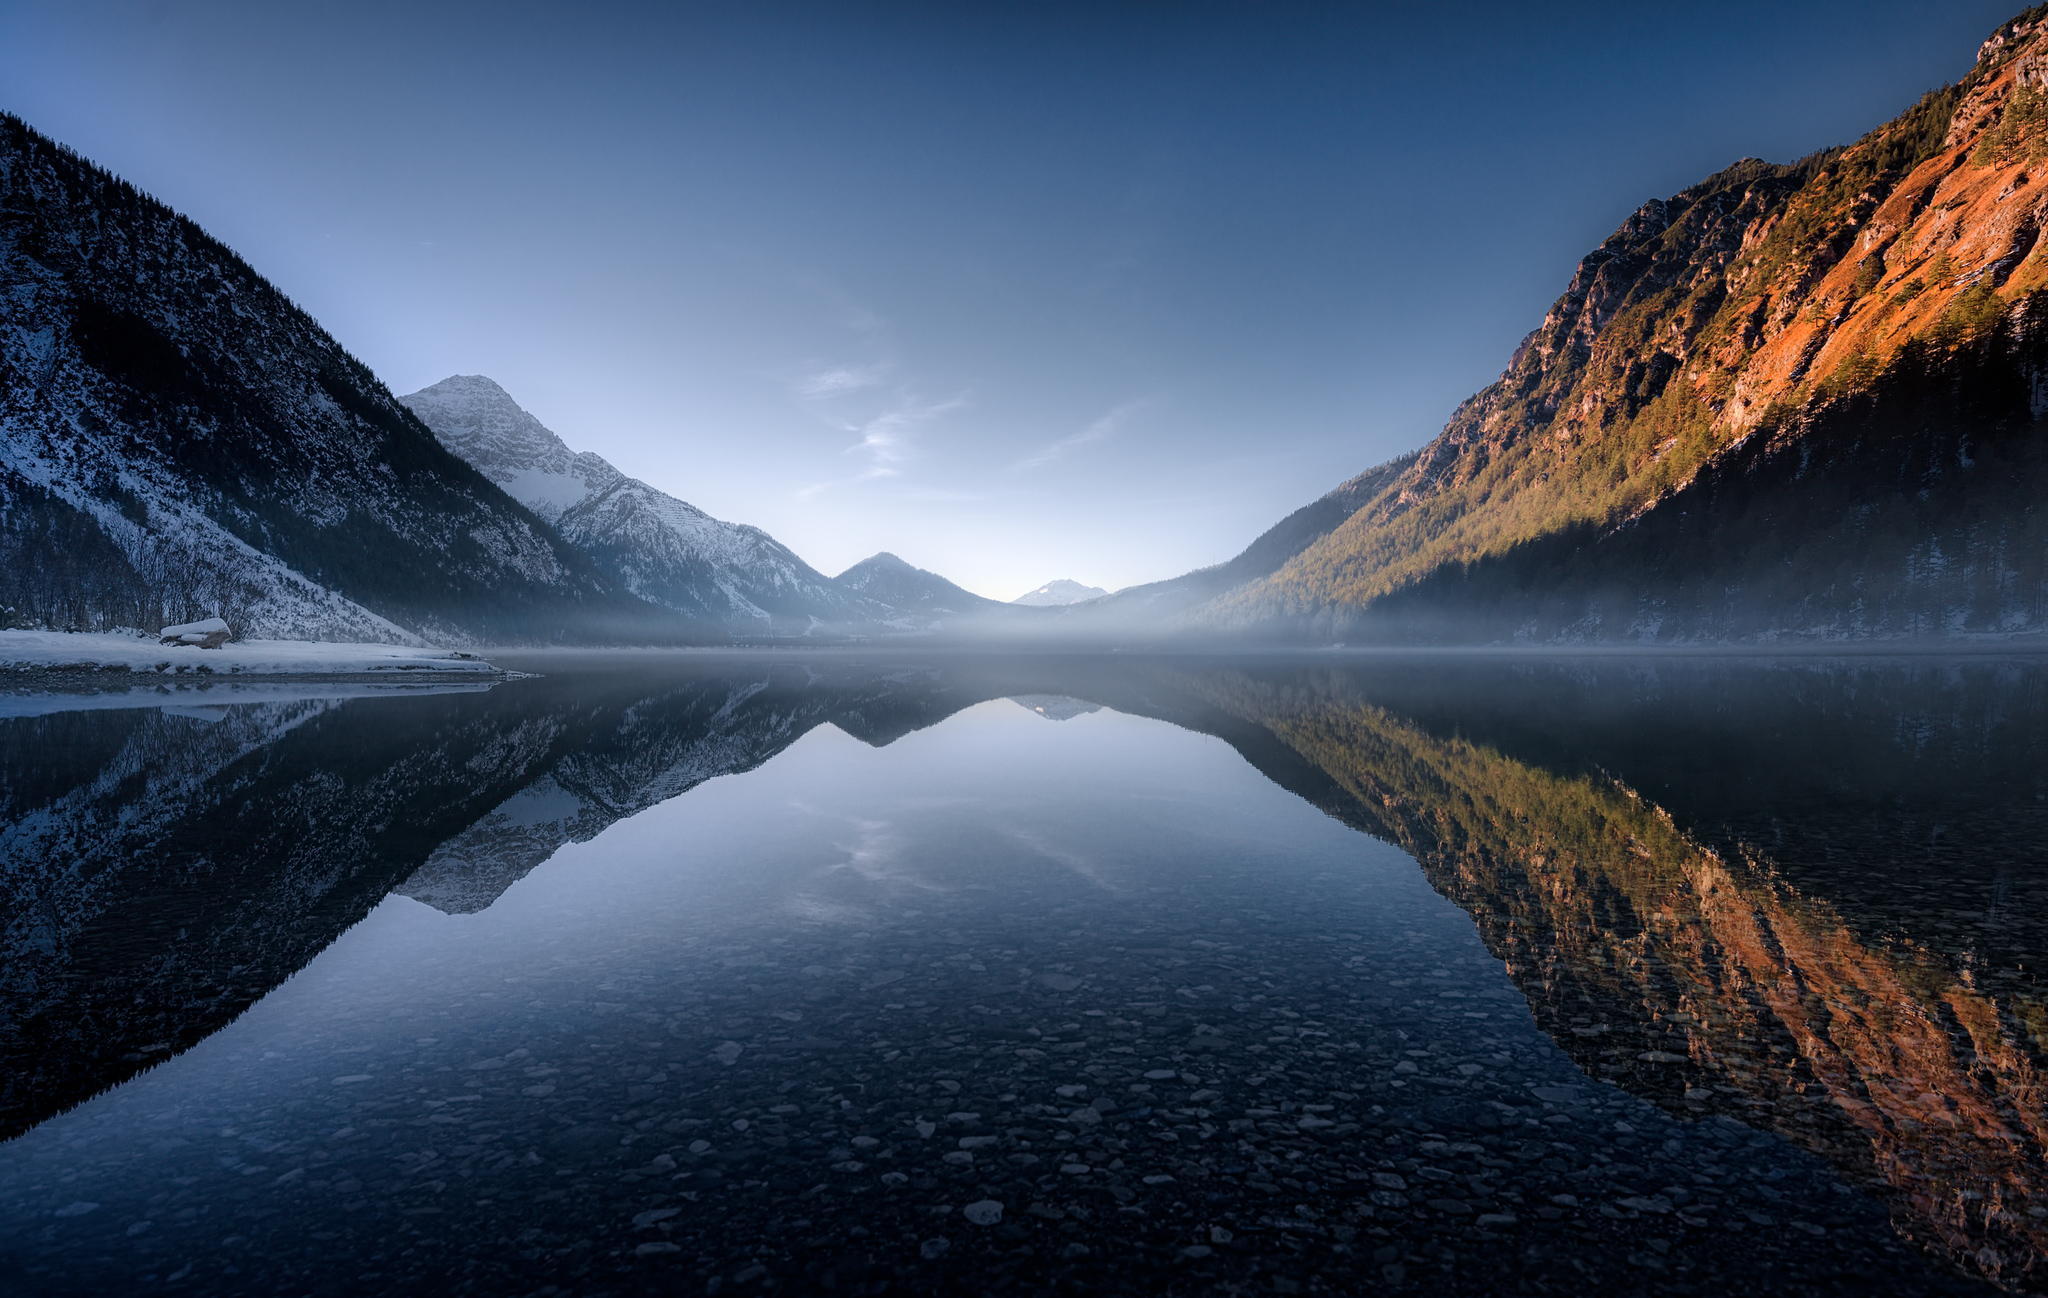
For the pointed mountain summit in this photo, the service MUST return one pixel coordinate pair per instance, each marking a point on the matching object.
(1058, 594)
(890, 580)
(662, 549)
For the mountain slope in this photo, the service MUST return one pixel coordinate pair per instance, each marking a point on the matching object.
(177, 440)
(890, 580)
(1058, 594)
(1737, 419)
(656, 546)
(1159, 605)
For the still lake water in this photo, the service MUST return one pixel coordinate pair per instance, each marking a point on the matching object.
(820, 973)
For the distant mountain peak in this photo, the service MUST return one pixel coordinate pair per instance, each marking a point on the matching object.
(475, 382)
(478, 420)
(883, 559)
(1058, 593)
(895, 581)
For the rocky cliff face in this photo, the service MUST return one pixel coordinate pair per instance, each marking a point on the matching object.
(1718, 359)
(662, 549)
(178, 440)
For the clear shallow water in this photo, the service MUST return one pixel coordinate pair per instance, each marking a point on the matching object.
(892, 976)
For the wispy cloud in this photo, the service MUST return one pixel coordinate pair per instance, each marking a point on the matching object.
(885, 440)
(873, 401)
(1099, 429)
(838, 380)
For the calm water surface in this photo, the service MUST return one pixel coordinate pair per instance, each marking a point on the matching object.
(820, 973)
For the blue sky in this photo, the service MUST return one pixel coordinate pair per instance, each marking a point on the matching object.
(1016, 291)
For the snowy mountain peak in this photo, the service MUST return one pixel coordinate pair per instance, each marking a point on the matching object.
(1058, 593)
(662, 549)
(479, 421)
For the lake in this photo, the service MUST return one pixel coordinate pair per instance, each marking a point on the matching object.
(831, 972)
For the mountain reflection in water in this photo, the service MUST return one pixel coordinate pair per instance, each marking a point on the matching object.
(1808, 897)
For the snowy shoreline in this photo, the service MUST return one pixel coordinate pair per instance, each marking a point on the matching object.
(41, 655)
(205, 698)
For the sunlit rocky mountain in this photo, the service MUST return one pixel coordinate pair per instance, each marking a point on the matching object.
(1796, 400)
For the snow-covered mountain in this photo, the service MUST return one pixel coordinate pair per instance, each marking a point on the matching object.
(177, 440)
(1059, 594)
(660, 548)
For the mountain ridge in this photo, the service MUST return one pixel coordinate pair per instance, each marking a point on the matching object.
(653, 544)
(910, 589)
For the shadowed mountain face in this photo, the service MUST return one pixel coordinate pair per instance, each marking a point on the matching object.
(1807, 897)
(178, 440)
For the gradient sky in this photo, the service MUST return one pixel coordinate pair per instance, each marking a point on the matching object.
(1017, 291)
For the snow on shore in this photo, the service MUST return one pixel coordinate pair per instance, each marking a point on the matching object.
(207, 699)
(61, 651)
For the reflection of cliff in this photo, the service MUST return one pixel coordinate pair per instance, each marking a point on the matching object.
(163, 870)
(1702, 977)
